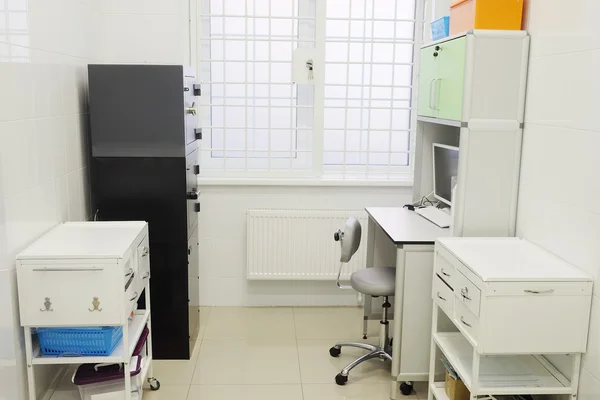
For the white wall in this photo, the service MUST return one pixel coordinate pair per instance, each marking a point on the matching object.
(145, 31)
(44, 49)
(222, 234)
(560, 163)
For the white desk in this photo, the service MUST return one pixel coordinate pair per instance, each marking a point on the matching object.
(413, 238)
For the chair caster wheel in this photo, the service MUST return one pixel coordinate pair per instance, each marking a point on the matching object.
(335, 352)
(154, 384)
(406, 388)
(341, 379)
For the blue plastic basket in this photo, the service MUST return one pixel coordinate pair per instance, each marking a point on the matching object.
(90, 341)
(440, 28)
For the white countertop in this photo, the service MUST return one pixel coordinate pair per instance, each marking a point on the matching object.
(85, 240)
(406, 227)
(511, 259)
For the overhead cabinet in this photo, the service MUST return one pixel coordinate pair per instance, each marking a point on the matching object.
(476, 75)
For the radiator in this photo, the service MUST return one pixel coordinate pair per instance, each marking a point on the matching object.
(299, 245)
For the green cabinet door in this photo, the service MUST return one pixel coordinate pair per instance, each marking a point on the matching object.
(451, 74)
(427, 75)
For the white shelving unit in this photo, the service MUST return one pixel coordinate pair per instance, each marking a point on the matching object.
(472, 95)
(494, 316)
(87, 274)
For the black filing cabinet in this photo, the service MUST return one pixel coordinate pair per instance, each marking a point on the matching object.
(144, 166)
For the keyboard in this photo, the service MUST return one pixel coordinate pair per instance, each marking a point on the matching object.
(435, 215)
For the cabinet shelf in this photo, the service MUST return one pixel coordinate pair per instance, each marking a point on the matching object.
(513, 374)
(438, 390)
(447, 122)
(136, 326)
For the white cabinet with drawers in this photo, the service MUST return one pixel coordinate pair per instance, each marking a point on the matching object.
(86, 274)
(510, 303)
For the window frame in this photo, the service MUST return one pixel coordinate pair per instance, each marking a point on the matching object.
(319, 171)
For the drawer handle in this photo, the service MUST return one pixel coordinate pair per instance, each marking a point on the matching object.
(135, 295)
(146, 275)
(440, 297)
(466, 323)
(129, 272)
(68, 269)
(145, 252)
(96, 305)
(444, 272)
(464, 292)
(47, 305)
(539, 291)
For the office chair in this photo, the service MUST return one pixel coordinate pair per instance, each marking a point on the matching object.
(376, 281)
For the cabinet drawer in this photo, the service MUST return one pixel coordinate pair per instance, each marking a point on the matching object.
(443, 296)
(467, 293)
(67, 295)
(444, 269)
(466, 321)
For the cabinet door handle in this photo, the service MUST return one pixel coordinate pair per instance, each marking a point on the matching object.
(466, 323)
(539, 291)
(431, 95)
(146, 275)
(135, 295)
(145, 251)
(444, 272)
(129, 273)
(464, 292)
(440, 297)
(435, 93)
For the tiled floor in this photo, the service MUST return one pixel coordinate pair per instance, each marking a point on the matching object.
(274, 353)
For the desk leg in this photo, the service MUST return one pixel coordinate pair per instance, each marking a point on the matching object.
(370, 263)
(398, 311)
(30, 368)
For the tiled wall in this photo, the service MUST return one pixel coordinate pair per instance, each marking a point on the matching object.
(561, 163)
(222, 234)
(44, 49)
(145, 31)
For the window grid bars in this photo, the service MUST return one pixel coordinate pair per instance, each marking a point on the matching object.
(268, 85)
(393, 81)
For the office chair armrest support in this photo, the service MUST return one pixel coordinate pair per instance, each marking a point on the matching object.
(337, 282)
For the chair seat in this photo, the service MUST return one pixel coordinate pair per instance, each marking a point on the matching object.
(376, 281)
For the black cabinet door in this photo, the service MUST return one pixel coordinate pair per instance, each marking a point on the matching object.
(137, 110)
(142, 189)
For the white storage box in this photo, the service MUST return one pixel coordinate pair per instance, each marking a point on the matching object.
(112, 389)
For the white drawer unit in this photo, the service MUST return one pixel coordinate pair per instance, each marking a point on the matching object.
(511, 298)
(86, 274)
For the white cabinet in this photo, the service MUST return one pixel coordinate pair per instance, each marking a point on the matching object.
(511, 302)
(472, 95)
(86, 274)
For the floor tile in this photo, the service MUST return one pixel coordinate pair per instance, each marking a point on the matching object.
(337, 323)
(250, 322)
(176, 372)
(421, 389)
(247, 361)
(246, 392)
(204, 317)
(317, 366)
(168, 392)
(351, 391)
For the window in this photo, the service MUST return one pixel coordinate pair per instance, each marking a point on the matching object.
(261, 118)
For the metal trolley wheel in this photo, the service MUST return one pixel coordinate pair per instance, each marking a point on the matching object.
(154, 384)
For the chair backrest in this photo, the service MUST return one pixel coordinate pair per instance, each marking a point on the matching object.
(350, 240)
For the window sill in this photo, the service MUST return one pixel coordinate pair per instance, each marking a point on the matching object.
(204, 181)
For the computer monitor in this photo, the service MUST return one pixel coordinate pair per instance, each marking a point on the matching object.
(445, 171)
